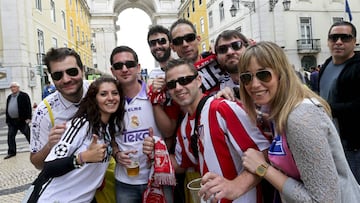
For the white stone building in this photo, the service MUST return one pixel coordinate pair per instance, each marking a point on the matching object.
(299, 26)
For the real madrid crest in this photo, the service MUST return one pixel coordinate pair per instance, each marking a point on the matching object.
(134, 121)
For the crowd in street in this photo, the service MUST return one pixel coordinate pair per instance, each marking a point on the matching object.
(238, 118)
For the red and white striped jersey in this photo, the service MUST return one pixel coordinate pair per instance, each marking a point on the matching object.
(225, 132)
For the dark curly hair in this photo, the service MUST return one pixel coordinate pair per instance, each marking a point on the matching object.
(89, 108)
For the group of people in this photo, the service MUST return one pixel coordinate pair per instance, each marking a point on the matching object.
(239, 116)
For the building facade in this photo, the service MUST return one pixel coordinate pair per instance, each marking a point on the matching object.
(299, 26)
(28, 30)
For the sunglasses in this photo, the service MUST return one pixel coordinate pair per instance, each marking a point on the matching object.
(262, 75)
(160, 41)
(223, 49)
(180, 40)
(181, 80)
(59, 74)
(343, 37)
(120, 65)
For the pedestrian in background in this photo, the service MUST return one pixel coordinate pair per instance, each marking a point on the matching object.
(306, 161)
(78, 162)
(48, 89)
(314, 79)
(18, 116)
(339, 80)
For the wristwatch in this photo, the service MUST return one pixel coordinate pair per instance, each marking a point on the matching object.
(261, 169)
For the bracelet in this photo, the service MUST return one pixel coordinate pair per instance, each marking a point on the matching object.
(81, 160)
(76, 165)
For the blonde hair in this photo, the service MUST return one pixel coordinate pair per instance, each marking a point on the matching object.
(290, 91)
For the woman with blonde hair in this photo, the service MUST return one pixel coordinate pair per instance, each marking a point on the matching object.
(306, 161)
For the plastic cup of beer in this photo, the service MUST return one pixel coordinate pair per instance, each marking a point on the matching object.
(194, 186)
(133, 168)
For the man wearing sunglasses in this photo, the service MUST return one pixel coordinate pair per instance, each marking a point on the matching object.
(338, 85)
(159, 42)
(223, 132)
(229, 46)
(185, 43)
(139, 117)
(66, 70)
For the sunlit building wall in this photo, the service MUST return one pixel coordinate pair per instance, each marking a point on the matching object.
(195, 11)
(79, 31)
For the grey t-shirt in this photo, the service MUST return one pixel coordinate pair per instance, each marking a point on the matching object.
(328, 81)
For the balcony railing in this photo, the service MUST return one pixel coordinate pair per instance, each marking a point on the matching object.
(308, 45)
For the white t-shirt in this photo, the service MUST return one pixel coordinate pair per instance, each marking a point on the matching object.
(78, 185)
(62, 110)
(139, 117)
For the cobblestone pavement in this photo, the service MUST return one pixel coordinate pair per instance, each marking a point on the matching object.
(16, 174)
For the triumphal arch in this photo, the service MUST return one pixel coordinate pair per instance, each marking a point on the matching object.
(104, 15)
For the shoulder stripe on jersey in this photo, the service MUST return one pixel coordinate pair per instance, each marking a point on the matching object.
(73, 130)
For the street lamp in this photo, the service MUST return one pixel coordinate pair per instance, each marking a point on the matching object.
(233, 10)
(286, 4)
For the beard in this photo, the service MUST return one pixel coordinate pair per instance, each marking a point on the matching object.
(165, 57)
(232, 69)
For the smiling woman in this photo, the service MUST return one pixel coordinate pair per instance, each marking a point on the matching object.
(133, 34)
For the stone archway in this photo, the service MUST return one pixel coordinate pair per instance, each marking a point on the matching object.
(104, 14)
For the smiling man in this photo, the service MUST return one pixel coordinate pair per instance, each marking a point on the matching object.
(66, 70)
(338, 77)
(138, 120)
(212, 137)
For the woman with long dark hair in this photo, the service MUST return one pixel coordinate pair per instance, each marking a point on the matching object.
(76, 165)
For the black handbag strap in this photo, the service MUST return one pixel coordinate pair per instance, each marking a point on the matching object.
(195, 135)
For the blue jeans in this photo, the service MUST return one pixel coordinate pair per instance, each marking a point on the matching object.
(353, 158)
(126, 193)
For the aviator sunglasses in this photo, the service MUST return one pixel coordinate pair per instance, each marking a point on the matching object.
(181, 80)
(59, 74)
(343, 37)
(120, 65)
(262, 75)
(223, 49)
(160, 41)
(180, 40)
